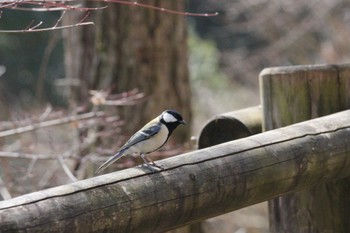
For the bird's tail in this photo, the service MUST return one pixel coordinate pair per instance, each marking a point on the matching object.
(110, 161)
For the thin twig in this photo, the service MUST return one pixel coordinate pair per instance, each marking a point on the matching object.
(51, 5)
(60, 19)
(50, 172)
(46, 113)
(102, 97)
(4, 191)
(31, 167)
(29, 25)
(50, 123)
(7, 4)
(85, 17)
(2, 68)
(160, 8)
(9, 154)
(122, 102)
(48, 29)
(54, 5)
(47, 6)
(66, 169)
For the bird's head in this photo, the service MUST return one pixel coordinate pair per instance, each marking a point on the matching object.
(172, 117)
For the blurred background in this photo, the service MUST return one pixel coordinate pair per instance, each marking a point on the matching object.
(69, 98)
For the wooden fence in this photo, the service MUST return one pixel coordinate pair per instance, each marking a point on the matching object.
(221, 178)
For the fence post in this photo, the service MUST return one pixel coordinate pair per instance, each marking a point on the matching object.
(294, 94)
(231, 126)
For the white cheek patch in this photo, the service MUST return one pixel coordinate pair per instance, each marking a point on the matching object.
(169, 118)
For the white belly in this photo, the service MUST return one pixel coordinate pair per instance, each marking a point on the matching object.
(152, 144)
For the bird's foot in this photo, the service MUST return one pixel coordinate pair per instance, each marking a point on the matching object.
(156, 165)
(153, 167)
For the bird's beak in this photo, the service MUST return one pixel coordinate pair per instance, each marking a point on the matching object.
(183, 122)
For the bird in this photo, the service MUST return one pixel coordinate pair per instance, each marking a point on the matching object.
(149, 138)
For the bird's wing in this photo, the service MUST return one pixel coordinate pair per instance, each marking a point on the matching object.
(143, 134)
(146, 132)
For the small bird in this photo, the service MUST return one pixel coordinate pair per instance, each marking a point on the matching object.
(149, 138)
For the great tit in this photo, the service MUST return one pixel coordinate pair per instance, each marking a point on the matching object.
(149, 138)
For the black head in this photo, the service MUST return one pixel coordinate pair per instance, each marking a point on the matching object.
(171, 119)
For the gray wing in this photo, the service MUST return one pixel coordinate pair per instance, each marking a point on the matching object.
(141, 135)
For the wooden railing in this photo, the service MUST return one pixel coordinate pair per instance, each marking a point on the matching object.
(193, 186)
(297, 159)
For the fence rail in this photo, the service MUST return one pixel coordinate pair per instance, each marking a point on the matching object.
(193, 186)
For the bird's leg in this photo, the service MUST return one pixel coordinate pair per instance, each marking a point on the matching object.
(153, 163)
(143, 156)
(151, 166)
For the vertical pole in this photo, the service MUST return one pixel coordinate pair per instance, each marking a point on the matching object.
(294, 94)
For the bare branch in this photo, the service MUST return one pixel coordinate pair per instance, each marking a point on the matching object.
(7, 5)
(31, 167)
(36, 28)
(66, 169)
(101, 97)
(59, 19)
(54, 5)
(8, 154)
(47, 176)
(51, 5)
(50, 123)
(3, 190)
(46, 6)
(2, 68)
(48, 29)
(46, 113)
(85, 17)
(161, 8)
(31, 28)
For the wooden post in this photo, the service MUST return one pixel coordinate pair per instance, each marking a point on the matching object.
(231, 126)
(295, 94)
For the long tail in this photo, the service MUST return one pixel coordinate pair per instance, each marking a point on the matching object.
(110, 161)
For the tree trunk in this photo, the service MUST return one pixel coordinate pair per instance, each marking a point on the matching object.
(133, 47)
(291, 95)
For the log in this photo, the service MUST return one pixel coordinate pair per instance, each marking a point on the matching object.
(231, 126)
(193, 186)
(294, 94)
